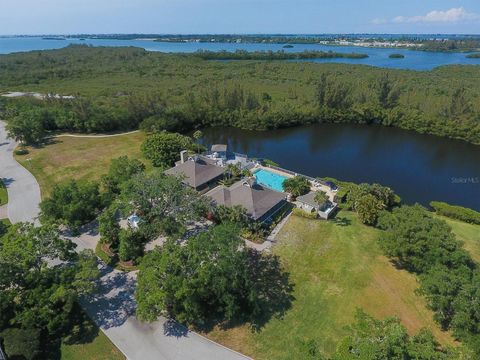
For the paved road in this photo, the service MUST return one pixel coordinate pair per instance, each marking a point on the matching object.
(23, 189)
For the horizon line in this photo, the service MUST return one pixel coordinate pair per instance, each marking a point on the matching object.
(239, 34)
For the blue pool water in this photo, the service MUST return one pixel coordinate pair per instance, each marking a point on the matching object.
(270, 179)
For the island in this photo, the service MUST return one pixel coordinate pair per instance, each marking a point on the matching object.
(473, 56)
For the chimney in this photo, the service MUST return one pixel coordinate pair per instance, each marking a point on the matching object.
(182, 155)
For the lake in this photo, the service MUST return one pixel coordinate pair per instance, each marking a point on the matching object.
(420, 168)
(414, 60)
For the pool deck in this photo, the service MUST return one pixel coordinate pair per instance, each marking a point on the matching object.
(315, 186)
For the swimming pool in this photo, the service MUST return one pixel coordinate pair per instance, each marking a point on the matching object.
(270, 179)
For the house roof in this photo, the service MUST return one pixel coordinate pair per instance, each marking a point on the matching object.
(256, 199)
(308, 199)
(196, 172)
(219, 148)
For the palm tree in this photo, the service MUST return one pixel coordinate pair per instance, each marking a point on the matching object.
(321, 197)
(297, 186)
(197, 135)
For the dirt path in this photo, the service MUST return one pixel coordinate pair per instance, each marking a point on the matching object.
(96, 136)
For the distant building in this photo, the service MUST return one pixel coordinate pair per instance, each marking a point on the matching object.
(199, 172)
(260, 202)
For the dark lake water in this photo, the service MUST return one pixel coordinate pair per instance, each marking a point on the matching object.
(420, 168)
(414, 60)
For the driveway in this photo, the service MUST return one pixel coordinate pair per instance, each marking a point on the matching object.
(23, 190)
(112, 307)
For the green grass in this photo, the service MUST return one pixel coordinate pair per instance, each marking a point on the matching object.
(99, 349)
(78, 158)
(336, 268)
(3, 193)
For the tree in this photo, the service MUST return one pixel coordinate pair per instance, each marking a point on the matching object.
(321, 89)
(387, 95)
(72, 203)
(157, 196)
(234, 215)
(131, 245)
(368, 208)
(459, 104)
(212, 277)
(163, 149)
(121, 169)
(384, 194)
(373, 339)
(27, 127)
(197, 135)
(419, 242)
(21, 343)
(34, 292)
(321, 197)
(297, 186)
(109, 227)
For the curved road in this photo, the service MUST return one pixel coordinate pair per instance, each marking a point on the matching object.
(113, 307)
(23, 190)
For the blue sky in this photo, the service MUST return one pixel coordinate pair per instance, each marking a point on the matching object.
(239, 16)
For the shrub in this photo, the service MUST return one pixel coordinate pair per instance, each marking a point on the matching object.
(305, 214)
(456, 212)
(21, 152)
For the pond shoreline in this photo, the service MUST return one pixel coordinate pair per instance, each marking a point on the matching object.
(419, 167)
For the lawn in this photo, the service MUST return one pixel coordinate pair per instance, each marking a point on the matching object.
(336, 268)
(99, 349)
(78, 158)
(3, 193)
(81, 158)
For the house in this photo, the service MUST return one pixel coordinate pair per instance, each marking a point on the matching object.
(199, 172)
(219, 151)
(260, 202)
(307, 202)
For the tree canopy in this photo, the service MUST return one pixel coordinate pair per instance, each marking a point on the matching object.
(213, 277)
(163, 148)
(72, 203)
(297, 185)
(41, 278)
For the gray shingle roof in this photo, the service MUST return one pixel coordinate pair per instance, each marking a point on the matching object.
(196, 172)
(256, 199)
(308, 199)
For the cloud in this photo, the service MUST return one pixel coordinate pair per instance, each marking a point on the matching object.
(453, 15)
